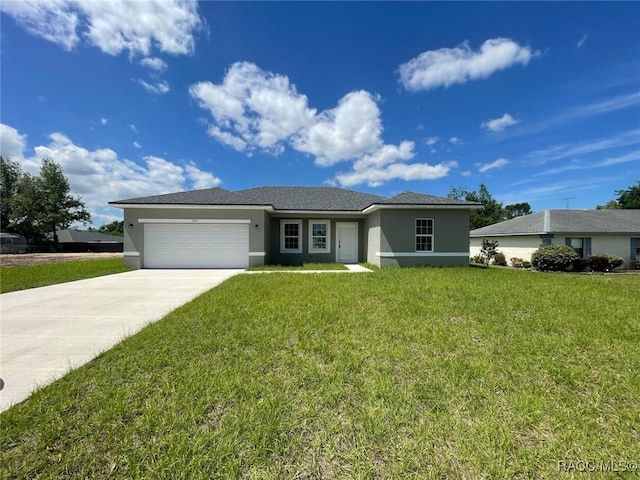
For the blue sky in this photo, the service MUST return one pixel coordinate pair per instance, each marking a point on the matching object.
(539, 101)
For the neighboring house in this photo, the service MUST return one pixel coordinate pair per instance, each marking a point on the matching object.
(217, 228)
(589, 232)
(12, 243)
(72, 240)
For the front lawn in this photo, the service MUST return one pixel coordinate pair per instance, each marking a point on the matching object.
(416, 373)
(21, 278)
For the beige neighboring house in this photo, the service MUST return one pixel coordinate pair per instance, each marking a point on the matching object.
(589, 232)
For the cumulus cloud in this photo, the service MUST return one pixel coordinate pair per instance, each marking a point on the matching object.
(449, 66)
(499, 163)
(101, 175)
(431, 141)
(113, 26)
(455, 140)
(154, 63)
(499, 124)
(159, 88)
(255, 109)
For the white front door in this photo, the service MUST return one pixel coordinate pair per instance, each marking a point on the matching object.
(347, 242)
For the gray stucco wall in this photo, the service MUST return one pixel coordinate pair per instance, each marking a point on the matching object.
(134, 237)
(450, 237)
(372, 232)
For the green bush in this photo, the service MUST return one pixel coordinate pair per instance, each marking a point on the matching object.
(553, 258)
(614, 261)
(517, 262)
(598, 263)
(638, 261)
(477, 259)
(526, 264)
(499, 259)
(580, 264)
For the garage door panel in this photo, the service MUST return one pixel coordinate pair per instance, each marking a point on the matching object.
(168, 245)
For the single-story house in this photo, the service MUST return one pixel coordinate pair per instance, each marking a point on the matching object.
(589, 232)
(12, 243)
(217, 228)
(73, 240)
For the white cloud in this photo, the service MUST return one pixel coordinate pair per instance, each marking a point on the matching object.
(499, 124)
(154, 63)
(633, 156)
(11, 142)
(449, 66)
(483, 167)
(133, 128)
(113, 26)
(159, 88)
(255, 109)
(431, 141)
(100, 175)
(455, 140)
(581, 41)
(137, 145)
(375, 177)
(103, 121)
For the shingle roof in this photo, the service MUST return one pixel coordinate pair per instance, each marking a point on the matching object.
(566, 221)
(84, 236)
(291, 198)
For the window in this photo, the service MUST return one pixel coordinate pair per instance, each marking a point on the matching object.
(424, 234)
(291, 236)
(582, 246)
(319, 236)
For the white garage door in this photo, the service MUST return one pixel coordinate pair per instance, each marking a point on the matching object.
(168, 245)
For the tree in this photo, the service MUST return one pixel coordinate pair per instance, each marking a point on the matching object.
(490, 214)
(113, 228)
(59, 208)
(627, 199)
(41, 206)
(517, 210)
(488, 250)
(10, 173)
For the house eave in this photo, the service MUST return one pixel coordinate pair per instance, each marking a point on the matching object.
(267, 208)
(423, 206)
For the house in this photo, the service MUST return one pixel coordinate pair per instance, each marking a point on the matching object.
(12, 243)
(73, 240)
(589, 232)
(217, 228)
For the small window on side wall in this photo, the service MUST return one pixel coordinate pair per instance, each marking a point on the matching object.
(319, 236)
(291, 236)
(424, 234)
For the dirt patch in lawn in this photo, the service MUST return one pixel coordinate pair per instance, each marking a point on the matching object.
(24, 259)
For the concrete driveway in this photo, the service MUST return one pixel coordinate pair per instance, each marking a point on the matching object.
(44, 332)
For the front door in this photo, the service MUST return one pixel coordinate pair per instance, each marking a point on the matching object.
(347, 242)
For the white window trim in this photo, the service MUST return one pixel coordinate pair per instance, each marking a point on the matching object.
(290, 250)
(416, 235)
(320, 250)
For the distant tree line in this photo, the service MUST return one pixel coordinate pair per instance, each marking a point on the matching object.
(114, 228)
(493, 211)
(627, 199)
(37, 207)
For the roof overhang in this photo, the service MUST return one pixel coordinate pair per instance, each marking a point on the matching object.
(425, 206)
(167, 206)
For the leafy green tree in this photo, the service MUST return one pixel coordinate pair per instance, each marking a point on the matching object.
(26, 217)
(490, 214)
(59, 209)
(488, 250)
(627, 199)
(517, 210)
(113, 228)
(10, 173)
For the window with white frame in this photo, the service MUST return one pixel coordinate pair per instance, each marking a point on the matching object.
(319, 236)
(424, 234)
(291, 236)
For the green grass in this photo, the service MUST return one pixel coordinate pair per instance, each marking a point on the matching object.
(22, 278)
(304, 266)
(416, 373)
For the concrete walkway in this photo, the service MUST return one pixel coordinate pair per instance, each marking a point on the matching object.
(44, 332)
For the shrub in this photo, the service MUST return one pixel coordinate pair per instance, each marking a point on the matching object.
(598, 263)
(488, 250)
(526, 264)
(500, 259)
(516, 262)
(554, 258)
(580, 264)
(638, 261)
(614, 261)
(477, 259)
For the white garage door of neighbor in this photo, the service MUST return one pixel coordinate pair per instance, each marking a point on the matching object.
(219, 245)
